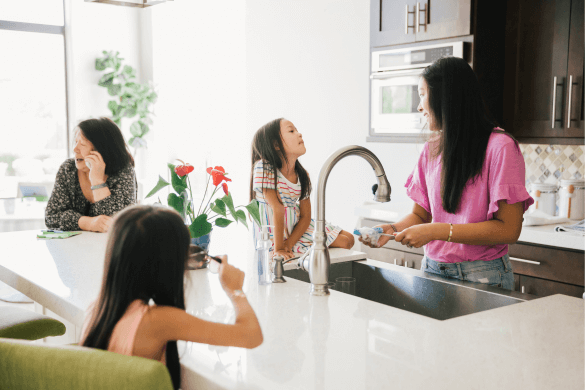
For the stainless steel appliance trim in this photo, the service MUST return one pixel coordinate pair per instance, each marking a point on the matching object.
(554, 100)
(457, 52)
(569, 108)
(525, 261)
(394, 73)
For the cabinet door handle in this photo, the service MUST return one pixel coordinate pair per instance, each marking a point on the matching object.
(525, 261)
(406, 26)
(522, 290)
(554, 101)
(406, 263)
(418, 11)
(569, 108)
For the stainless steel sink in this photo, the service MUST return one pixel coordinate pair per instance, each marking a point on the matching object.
(419, 292)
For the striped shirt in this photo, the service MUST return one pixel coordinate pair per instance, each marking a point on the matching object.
(289, 194)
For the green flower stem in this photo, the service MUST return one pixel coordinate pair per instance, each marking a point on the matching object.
(206, 187)
(192, 215)
(211, 197)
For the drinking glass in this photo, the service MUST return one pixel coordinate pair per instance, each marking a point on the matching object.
(345, 284)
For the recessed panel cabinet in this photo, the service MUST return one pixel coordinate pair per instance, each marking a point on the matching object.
(544, 71)
(406, 21)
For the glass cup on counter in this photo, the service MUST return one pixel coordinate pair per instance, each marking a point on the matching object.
(345, 284)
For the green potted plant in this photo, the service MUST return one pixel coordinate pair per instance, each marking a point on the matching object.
(132, 99)
(213, 210)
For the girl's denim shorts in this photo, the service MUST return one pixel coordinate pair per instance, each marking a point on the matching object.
(496, 273)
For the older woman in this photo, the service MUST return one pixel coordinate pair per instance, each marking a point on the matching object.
(96, 184)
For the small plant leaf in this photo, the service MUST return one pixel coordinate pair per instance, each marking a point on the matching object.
(241, 217)
(130, 112)
(137, 142)
(200, 226)
(113, 106)
(230, 204)
(254, 211)
(100, 64)
(179, 183)
(136, 129)
(114, 89)
(176, 202)
(219, 207)
(222, 222)
(162, 183)
(106, 80)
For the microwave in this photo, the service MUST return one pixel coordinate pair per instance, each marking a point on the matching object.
(394, 90)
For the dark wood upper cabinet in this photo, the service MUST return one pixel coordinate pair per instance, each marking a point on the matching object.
(395, 22)
(444, 19)
(390, 20)
(544, 61)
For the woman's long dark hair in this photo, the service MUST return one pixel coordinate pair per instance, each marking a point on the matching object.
(264, 147)
(458, 109)
(145, 259)
(108, 140)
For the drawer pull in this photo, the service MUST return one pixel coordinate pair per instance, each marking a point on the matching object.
(525, 261)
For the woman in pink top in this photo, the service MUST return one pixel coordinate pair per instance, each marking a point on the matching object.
(468, 184)
(147, 251)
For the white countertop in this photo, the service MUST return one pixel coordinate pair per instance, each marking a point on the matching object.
(333, 342)
(542, 235)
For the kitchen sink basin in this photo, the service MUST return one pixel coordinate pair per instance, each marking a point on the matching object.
(417, 291)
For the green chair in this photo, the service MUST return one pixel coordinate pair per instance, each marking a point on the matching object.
(24, 365)
(17, 323)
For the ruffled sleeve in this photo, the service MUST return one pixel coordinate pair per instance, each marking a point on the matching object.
(506, 178)
(416, 184)
(263, 176)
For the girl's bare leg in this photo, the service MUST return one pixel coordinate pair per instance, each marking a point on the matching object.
(344, 240)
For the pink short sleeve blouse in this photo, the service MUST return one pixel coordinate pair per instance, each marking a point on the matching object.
(502, 178)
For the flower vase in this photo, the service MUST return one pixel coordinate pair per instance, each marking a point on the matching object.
(202, 242)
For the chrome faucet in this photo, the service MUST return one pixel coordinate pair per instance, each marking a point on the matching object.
(317, 260)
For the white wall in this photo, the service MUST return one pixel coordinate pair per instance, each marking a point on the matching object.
(308, 61)
(199, 70)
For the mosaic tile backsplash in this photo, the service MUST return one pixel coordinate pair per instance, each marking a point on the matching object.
(551, 163)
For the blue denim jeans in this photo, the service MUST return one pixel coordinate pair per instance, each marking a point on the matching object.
(496, 273)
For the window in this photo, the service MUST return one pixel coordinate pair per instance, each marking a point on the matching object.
(33, 105)
(34, 124)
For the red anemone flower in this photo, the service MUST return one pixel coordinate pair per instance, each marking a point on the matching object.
(225, 188)
(182, 170)
(217, 174)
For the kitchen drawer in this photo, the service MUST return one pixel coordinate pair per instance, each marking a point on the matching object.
(561, 265)
(543, 288)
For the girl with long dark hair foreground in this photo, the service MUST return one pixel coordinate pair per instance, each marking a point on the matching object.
(140, 310)
(468, 184)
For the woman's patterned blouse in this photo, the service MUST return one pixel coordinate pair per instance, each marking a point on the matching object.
(67, 203)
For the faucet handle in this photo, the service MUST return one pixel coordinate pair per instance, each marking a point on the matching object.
(277, 275)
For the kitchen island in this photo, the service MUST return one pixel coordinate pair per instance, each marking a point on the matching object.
(333, 342)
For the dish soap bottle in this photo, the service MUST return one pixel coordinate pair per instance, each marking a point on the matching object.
(262, 257)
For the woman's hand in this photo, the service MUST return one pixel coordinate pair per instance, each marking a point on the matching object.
(100, 224)
(230, 277)
(286, 254)
(382, 240)
(418, 235)
(97, 172)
